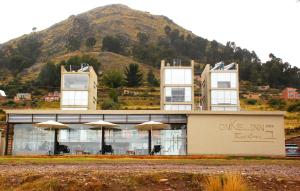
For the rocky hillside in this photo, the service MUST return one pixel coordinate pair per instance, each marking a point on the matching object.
(115, 20)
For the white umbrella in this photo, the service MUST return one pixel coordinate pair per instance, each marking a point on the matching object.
(52, 125)
(149, 126)
(102, 125)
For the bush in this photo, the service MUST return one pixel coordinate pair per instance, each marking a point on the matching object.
(112, 44)
(294, 107)
(226, 182)
(251, 101)
(113, 79)
(110, 104)
(277, 103)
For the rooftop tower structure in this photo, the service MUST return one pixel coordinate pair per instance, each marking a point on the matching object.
(220, 87)
(78, 88)
(177, 86)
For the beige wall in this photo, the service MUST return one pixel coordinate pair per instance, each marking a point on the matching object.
(236, 134)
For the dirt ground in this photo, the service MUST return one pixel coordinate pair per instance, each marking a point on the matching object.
(141, 175)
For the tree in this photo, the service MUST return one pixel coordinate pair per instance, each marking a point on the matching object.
(77, 61)
(110, 104)
(90, 42)
(73, 43)
(143, 38)
(112, 44)
(113, 79)
(151, 79)
(133, 75)
(17, 63)
(49, 75)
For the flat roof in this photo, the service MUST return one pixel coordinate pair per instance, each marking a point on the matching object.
(128, 112)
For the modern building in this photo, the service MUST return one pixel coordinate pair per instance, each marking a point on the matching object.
(220, 87)
(290, 93)
(177, 86)
(78, 88)
(188, 132)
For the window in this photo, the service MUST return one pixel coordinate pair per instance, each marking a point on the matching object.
(178, 94)
(224, 97)
(76, 81)
(224, 84)
(223, 80)
(75, 98)
(178, 76)
(218, 108)
(186, 107)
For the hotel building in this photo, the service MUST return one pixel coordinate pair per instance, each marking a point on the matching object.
(189, 132)
(220, 87)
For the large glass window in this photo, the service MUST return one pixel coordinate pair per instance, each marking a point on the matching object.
(178, 76)
(76, 81)
(223, 80)
(178, 94)
(183, 107)
(224, 97)
(75, 98)
(29, 140)
(81, 139)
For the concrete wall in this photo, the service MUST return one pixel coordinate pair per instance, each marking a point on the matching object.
(236, 134)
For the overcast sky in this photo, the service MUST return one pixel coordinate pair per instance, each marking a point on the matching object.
(264, 26)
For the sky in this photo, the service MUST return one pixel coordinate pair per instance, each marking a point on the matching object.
(265, 26)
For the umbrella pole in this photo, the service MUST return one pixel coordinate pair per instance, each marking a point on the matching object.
(149, 142)
(55, 141)
(103, 141)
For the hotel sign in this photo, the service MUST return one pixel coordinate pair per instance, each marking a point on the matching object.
(249, 132)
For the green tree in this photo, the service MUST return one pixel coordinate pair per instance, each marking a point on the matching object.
(73, 43)
(113, 79)
(110, 104)
(78, 60)
(133, 75)
(90, 42)
(49, 75)
(17, 63)
(114, 95)
(112, 44)
(151, 79)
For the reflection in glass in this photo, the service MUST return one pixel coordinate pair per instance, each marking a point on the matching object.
(31, 140)
(76, 81)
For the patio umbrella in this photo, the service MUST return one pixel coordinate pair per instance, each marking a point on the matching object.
(149, 126)
(52, 125)
(102, 125)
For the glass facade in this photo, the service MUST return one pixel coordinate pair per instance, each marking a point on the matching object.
(178, 76)
(75, 98)
(223, 80)
(79, 138)
(181, 107)
(75, 81)
(224, 97)
(29, 140)
(178, 94)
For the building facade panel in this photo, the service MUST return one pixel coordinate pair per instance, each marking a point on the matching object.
(236, 135)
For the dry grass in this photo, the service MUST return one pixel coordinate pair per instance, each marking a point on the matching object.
(226, 182)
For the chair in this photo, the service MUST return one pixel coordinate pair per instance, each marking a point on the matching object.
(63, 149)
(107, 149)
(156, 149)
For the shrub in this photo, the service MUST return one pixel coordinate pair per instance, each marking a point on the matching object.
(110, 104)
(251, 101)
(277, 103)
(226, 182)
(294, 107)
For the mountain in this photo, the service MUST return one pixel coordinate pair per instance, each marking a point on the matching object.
(115, 20)
(131, 36)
